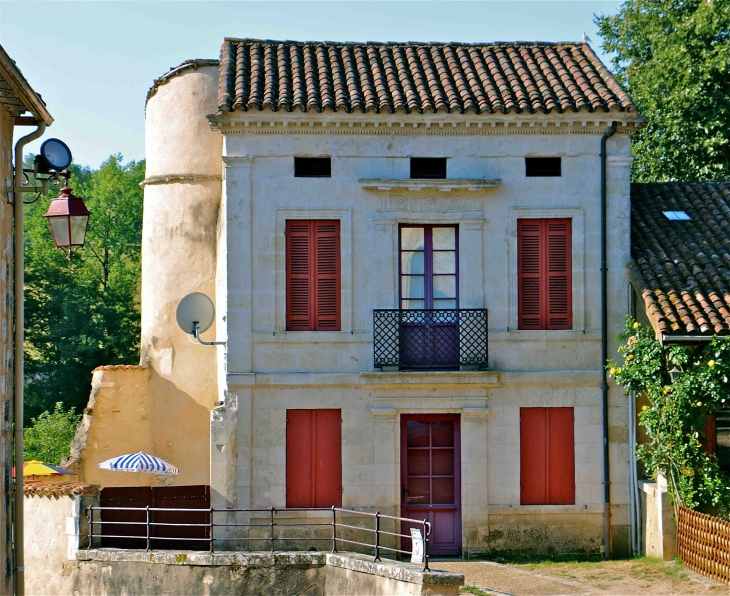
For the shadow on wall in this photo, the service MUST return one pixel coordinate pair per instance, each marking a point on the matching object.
(130, 409)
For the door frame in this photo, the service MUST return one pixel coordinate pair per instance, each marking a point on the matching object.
(404, 418)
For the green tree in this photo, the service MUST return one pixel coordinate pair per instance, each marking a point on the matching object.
(673, 56)
(49, 438)
(83, 312)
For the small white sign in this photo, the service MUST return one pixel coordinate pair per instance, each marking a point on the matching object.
(416, 546)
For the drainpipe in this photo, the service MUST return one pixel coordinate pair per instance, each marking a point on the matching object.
(18, 355)
(604, 352)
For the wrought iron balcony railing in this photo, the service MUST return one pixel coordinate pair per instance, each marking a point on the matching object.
(430, 339)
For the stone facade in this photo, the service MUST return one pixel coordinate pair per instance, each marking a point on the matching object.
(219, 191)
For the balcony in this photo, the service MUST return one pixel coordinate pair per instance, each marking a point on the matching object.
(430, 339)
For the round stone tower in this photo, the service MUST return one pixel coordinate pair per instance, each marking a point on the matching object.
(182, 193)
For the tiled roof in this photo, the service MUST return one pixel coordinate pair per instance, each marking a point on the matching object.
(120, 367)
(682, 268)
(45, 488)
(416, 77)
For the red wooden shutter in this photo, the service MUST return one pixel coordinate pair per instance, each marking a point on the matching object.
(544, 274)
(529, 274)
(313, 275)
(313, 458)
(533, 455)
(327, 275)
(561, 457)
(709, 435)
(298, 276)
(558, 274)
(547, 456)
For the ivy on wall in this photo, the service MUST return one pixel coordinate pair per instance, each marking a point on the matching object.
(684, 384)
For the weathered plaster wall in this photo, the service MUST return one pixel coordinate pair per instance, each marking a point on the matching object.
(6, 350)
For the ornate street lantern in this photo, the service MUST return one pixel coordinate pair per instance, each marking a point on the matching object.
(68, 217)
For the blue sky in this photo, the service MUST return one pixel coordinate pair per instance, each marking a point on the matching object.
(93, 62)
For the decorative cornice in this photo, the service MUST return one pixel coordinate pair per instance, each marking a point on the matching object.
(243, 123)
(384, 414)
(440, 185)
(173, 178)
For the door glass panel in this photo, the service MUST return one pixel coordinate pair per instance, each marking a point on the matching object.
(418, 462)
(412, 262)
(443, 462)
(443, 490)
(443, 433)
(445, 304)
(444, 286)
(444, 262)
(418, 433)
(412, 239)
(412, 286)
(419, 491)
(444, 238)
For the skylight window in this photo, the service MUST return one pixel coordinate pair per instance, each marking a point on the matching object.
(676, 215)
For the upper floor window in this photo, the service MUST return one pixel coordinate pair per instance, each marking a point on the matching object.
(429, 267)
(544, 274)
(313, 167)
(428, 167)
(542, 166)
(313, 275)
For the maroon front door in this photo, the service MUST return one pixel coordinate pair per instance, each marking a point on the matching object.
(431, 477)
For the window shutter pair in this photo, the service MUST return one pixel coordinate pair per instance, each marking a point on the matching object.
(313, 275)
(547, 456)
(544, 274)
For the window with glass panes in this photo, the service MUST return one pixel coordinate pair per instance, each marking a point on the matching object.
(429, 266)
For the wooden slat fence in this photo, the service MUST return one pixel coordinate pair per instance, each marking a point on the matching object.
(703, 543)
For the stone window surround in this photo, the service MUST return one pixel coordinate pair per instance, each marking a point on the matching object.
(345, 218)
(576, 215)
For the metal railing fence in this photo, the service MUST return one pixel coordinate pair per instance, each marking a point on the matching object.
(376, 531)
(430, 338)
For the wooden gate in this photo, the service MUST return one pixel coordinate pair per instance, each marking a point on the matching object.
(169, 497)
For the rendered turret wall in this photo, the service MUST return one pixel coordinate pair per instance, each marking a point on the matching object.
(181, 204)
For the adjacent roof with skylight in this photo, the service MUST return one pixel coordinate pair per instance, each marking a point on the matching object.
(677, 215)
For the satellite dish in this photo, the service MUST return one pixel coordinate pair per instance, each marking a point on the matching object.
(195, 308)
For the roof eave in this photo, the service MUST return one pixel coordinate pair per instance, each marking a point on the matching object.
(18, 83)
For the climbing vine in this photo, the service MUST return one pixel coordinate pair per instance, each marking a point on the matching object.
(684, 385)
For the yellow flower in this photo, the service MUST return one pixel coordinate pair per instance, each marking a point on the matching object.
(711, 363)
(699, 403)
(637, 325)
(632, 341)
(630, 357)
(667, 389)
(612, 371)
(644, 408)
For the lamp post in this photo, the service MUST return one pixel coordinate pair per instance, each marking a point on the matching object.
(55, 156)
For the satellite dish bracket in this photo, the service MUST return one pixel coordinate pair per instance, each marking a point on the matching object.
(196, 334)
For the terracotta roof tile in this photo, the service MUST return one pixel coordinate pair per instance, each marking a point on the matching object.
(682, 268)
(48, 488)
(120, 367)
(415, 77)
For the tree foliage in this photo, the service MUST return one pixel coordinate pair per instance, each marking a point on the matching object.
(49, 437)
(673, 56)
(677, 415)
(83, 312)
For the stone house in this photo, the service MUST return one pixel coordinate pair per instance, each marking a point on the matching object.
(17, 97)
(403, 242)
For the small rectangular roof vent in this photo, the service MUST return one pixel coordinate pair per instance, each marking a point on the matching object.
(676, 215)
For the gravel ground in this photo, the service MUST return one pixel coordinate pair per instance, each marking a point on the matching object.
(508, 580)
(628, 577)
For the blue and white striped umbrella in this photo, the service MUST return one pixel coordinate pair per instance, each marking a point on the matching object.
(138, 462)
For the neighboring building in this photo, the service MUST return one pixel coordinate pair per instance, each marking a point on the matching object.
(16, 98)
(355, 211)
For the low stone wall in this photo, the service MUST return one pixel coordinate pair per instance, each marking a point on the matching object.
(659, 528)
(111, 571)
